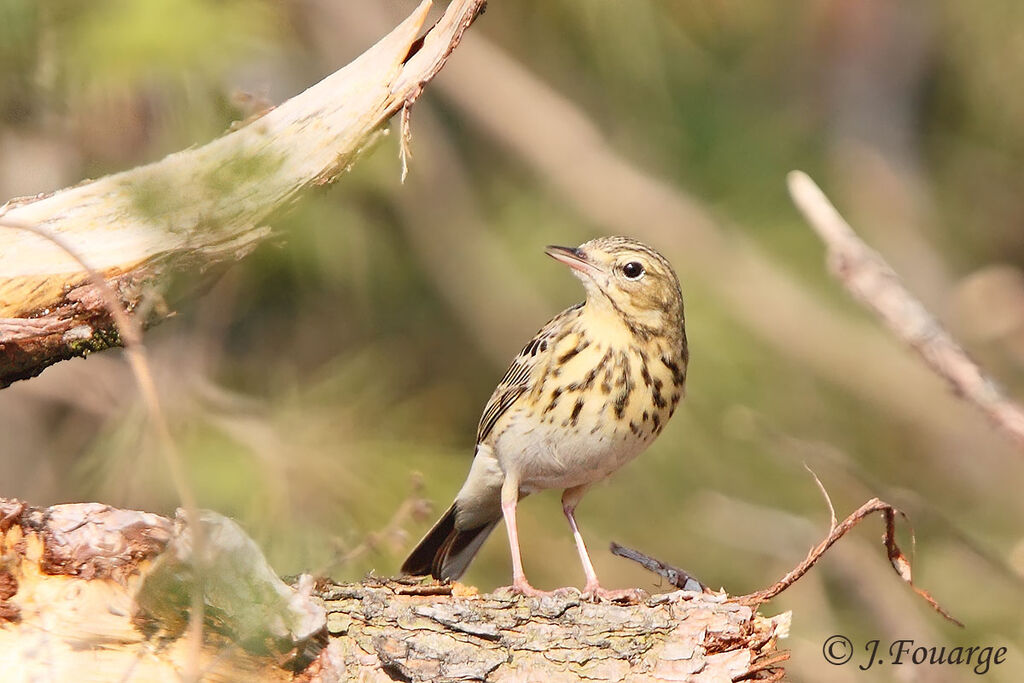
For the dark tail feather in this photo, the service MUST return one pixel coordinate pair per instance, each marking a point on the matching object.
(445, 552)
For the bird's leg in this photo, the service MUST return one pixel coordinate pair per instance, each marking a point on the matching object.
(509, 499)
(592, 589)
(570, 499)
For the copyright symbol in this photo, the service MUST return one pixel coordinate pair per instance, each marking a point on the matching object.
(837, 650)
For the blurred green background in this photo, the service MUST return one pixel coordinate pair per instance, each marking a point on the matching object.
(326, 390)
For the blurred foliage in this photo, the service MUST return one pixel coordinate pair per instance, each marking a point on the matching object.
(114, 41)
(316, 376)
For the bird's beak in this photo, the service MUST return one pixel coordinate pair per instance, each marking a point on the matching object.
(572, 257)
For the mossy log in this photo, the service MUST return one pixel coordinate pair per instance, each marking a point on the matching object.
(93, 593)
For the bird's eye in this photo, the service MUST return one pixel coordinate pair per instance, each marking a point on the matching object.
(633, 270)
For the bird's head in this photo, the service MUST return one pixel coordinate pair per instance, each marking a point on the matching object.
(628, 277)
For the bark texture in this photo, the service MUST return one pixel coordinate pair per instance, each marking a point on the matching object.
(677, 636)
(92, 593)
(199, 208)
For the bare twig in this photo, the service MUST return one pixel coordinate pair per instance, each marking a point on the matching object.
(415, 508)
(828, 498)
(898, 560)
(405, 139)
(874, 283)
(679, 578)
(770, 666)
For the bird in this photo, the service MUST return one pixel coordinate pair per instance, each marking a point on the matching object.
(590, 392)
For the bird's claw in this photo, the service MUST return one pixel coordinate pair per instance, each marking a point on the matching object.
(627, 595)
(590, 593)
(524, 588)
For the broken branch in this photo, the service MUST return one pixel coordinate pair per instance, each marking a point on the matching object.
(679, 578)
(899, 561)
(200, 208)
(871, 280)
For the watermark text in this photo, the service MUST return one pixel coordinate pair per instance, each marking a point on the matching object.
(979, 659)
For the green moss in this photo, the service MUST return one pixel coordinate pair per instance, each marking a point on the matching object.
(159, 196)
(152, 196)
(102, 338)
(244, 167)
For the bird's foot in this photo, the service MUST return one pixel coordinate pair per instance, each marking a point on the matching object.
(594, 593)
(521, 587)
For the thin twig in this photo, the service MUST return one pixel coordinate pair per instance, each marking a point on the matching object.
(874, 283)
(769, 664)
(828, 498)
(898, 560)
(679, 578)
(405, 139)
(414, 508)
(131, 337)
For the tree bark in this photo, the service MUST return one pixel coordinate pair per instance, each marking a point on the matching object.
(92, 593)
(199, 209)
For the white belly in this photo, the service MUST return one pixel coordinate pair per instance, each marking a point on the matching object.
(548, 456)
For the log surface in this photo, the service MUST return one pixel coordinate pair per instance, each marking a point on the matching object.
(93, 593)
(501, 637)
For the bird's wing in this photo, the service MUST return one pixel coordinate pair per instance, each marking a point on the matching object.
(517, 380)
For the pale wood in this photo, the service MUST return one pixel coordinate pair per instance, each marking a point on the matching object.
(199, 208)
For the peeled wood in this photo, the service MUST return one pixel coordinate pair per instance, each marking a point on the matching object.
(93, 593)
(199, 208)
(89, 592)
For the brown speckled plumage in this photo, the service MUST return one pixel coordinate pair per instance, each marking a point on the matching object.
(588, 393)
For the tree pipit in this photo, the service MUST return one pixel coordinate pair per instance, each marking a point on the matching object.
(588, 394)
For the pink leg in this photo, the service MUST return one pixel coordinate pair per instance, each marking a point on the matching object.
(509, 499)
(592, 589)
(570, 499)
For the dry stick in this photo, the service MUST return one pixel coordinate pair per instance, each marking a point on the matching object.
(131, 337)
(414, 508)
(680, 578)
(828, 498)
(874, 283)
(769, 665)
(898, 560)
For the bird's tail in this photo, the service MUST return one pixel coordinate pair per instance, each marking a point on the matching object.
(446, 551)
